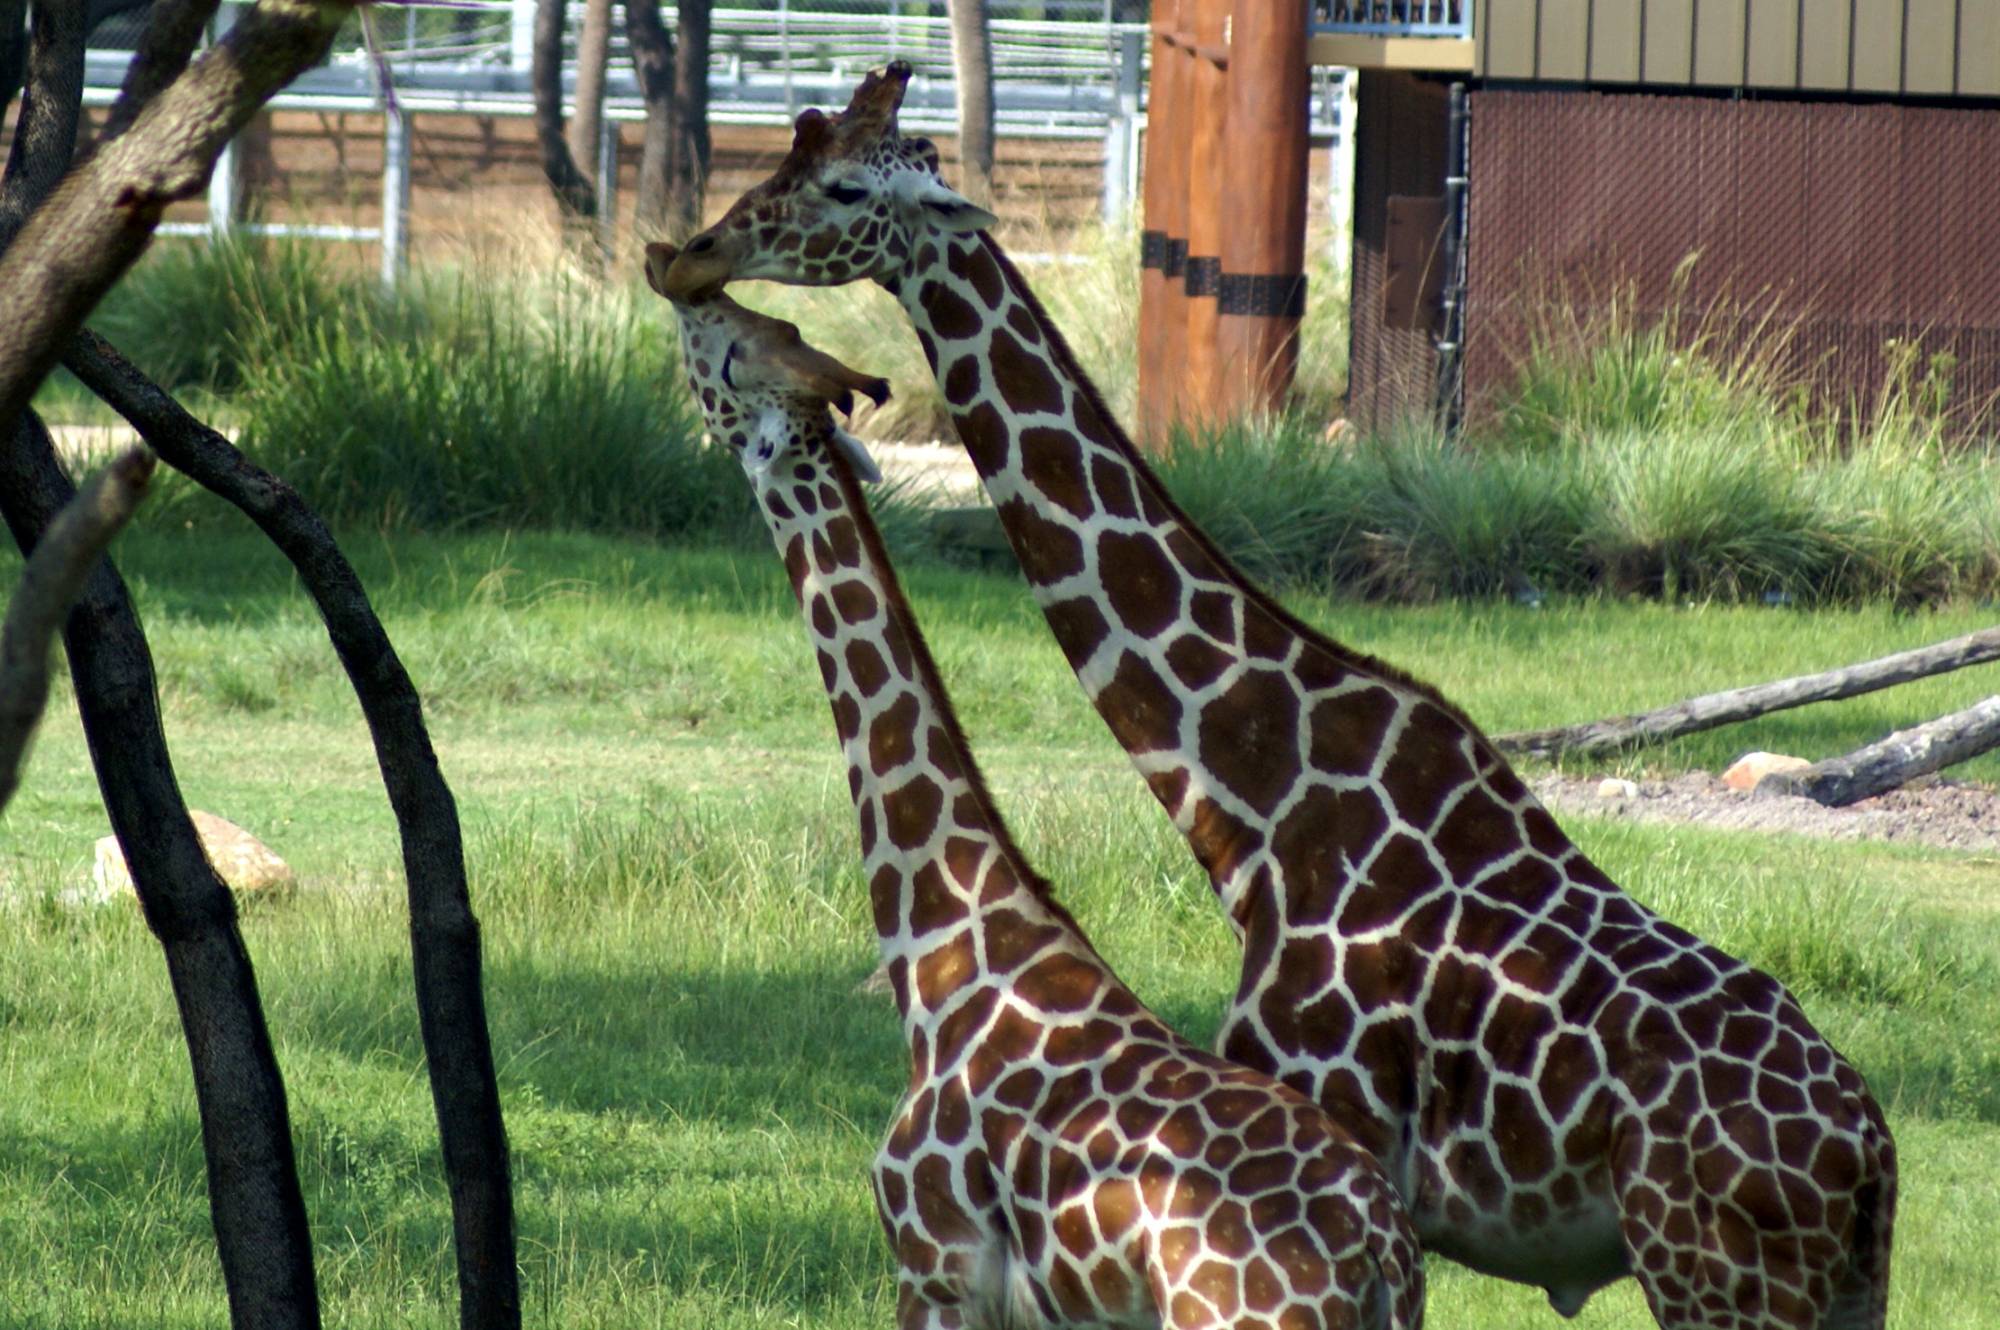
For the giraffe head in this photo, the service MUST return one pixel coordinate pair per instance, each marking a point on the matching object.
(852, 199)
(762, 389)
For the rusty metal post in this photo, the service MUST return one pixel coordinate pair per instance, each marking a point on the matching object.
(1163, 241)
(1207, 35)
(1262, 293)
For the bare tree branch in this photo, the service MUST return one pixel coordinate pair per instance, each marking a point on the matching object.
(1726, 708)
(972, 56)
(173, 31)
(100, 218)
(253, 1183)
(49, 585)
(444, 934)
(51, 104)
(1896, 760)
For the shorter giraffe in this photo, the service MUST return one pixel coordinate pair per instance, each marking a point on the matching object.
(1061, 1158)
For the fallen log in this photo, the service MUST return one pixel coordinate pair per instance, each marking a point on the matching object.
(1726, 708)
(1896, 760)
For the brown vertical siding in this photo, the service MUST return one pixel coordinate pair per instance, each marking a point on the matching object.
(1928, 46)
(1399, 148)
(1919, 47)
(1845, 225)
(1669, 42)
(1774, 46)
(1718, 42)
(1978, 53)
(1876, 64)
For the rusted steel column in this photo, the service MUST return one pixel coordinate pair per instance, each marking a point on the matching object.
(1163, 242)
(1262, 293)
(1208, 106)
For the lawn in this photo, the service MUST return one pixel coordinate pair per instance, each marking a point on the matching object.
(664, 862)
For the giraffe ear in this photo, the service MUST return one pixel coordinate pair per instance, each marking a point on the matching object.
(947, 208)
(856, 453)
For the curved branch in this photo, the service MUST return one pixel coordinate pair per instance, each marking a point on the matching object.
(444, 935)
(100, 218)
(49, 585)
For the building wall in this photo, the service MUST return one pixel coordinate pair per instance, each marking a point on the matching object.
(1829, 228)
(1941, 48)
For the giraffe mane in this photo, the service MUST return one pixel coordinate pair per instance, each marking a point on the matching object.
(932, 682)
(1361, 661)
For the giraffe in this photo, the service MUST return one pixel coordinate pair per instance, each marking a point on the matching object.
(1060, 1156)
(1566, 1088)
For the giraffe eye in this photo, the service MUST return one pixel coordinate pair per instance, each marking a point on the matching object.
(846, 194)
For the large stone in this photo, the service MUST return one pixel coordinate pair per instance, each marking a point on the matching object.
(242, 861)
(1753, 767)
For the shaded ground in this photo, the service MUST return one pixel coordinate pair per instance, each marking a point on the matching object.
(1950, 814)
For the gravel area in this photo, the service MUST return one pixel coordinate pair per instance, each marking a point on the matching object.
(1951, 814)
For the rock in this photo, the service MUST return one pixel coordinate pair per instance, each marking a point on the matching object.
(1612, 787)
(1753, 767)
(243, 861)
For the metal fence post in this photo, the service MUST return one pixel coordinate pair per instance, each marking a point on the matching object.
(395, 196)
(521, 37)
(222, 185)
(1121, 133)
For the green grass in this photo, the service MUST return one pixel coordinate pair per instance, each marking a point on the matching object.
(664, 863)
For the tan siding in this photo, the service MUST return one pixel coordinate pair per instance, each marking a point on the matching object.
(1564, 54)
(1718, 42)
(1878, 45)
(1614, 41)
(1824, 62)
(1979, 51)
(1669, 51)
(1929, 38)
(1509, 39)
(1774, 45)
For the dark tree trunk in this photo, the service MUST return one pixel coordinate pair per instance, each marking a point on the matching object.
(687, 144)
(652, 52)
(575, 199)
(72, 246)
(444, 935)
(593, 54)
(253, 1181)
(972, 54)
(1738, 704)
(173, 31)
(13, 50)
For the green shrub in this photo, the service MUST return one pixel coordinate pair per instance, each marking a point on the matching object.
(563, 412)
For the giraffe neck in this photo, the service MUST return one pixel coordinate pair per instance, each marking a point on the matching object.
(953, 899)
(1199, 675)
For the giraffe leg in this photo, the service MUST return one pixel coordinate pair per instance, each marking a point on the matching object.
(914, 1311)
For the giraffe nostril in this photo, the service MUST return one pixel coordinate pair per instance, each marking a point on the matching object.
(702, 246)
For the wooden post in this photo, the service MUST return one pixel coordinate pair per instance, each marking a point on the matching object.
(1162, 312)
(1262, 292)
(1207, 35)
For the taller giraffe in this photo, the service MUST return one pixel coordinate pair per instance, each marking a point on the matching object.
(1060, 1158)
(1565, 1087)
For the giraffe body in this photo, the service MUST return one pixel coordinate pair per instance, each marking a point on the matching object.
(1060, 1157)
(1564, 1087)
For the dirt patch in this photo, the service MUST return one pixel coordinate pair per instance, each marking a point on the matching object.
(1950, 814)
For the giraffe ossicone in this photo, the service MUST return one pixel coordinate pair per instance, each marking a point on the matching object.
(1565, 1087)
(1060, 1157)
